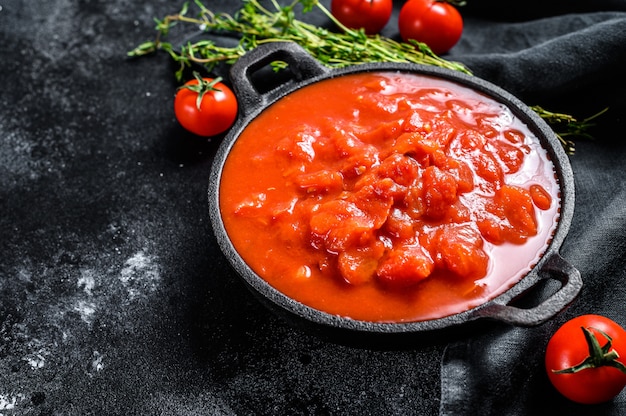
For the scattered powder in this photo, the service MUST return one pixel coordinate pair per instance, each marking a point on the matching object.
(36, 360)
(86, 310)
(37, 357)
(9, 402)
(97, 364)
(140, 274)
(86, 281)
(139, 277)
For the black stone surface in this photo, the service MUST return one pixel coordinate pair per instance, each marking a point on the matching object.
(114, 297)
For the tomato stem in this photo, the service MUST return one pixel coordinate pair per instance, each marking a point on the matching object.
(202, 87)
(599, 356)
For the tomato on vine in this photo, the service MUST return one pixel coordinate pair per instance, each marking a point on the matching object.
(583, 359)
(205, 106)
(371, 15)
(437, 23)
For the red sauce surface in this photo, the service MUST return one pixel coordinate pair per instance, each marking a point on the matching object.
(389, 197)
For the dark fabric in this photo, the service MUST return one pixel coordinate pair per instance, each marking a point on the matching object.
(502, 372)
(547, 58)
(115, 298)
(498, 11)
(571, 61)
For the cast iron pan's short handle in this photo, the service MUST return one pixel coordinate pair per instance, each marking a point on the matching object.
(555, 267)
(301, 66)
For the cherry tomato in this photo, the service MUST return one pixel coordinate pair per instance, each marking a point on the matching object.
(205, 106)
(438, 24)
(371, 15)
(583, 359)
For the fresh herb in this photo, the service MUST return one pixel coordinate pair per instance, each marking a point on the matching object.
(566, 126)
(202, 87)
(254, 25)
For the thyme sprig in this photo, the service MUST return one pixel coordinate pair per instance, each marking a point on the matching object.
(255, 24)
(567, 126)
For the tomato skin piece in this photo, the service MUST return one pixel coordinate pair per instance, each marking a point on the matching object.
(541, 198)
(217, 112)
(436, 23)
(371, 15)
(568, 347)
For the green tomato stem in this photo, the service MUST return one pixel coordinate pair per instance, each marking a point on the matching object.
(598, 356)
(202, 87)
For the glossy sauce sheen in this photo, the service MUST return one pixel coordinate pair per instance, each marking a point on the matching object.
(389, 197)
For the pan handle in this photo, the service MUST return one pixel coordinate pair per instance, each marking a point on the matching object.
(301, 66)
(555, 267)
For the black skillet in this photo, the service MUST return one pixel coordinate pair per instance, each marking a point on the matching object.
(249, 77)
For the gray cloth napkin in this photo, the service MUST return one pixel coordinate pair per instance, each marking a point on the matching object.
(573, 60)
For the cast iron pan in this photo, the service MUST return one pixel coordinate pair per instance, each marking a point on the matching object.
(255, 95)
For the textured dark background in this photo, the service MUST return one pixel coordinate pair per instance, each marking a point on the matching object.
(114, 297)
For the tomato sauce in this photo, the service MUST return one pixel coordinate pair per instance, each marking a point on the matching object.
(389, 197)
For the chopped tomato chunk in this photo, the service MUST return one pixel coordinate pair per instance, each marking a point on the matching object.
(460, 250)
(341, 224)
(509, 217)
(541, 198)
(511, 156)
(439, 192)
(359, 265)
(406, 265)
(320, 181)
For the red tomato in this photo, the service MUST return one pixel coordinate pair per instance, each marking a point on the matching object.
(371, 15)
(603, 375)
(205, 106)
(438, 24)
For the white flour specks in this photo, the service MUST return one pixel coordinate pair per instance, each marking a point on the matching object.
(86, 281)
(86, 310)
(9, 402)
(140, 275)
(24, 275)
(36, 361)
(37, 357)
(97, 363)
